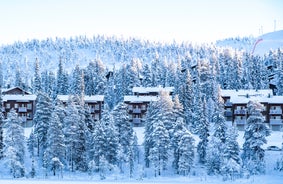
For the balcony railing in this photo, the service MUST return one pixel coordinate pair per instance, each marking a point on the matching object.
(275, 121)
(240, 111)
(241, 122)
(22, 109)
(137, 111)
(136, 120)
(275, 111)
(228, 113)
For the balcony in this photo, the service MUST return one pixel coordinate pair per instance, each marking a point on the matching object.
(240, 111)
(275, 121)
(228, 113)
(136, 120)
(241, 122)
(22, 109)
(137, 111)
(275, 111)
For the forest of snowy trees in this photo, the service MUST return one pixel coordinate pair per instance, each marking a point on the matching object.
(67, 139)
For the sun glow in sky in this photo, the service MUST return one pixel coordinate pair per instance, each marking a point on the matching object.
(162, 20)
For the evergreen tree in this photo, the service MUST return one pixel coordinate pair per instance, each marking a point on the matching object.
(255, 136)
(125, 133)
(202, 131)
(186, 151)
(61, 90)
(146, 76)
(75, 135)
(231, 160)
(37, 78)
(1, 115)
(14, 145)
(41, 122)
(159, 153)
(54, 155)
(77, 82)
(279, 84)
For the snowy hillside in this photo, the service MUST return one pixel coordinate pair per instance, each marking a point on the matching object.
(245, 43)
(267, 42)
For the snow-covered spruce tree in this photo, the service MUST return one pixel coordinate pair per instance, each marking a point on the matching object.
(112, 139)
(182, 144)
(186, 97)
(146, 76)
(151, 119)
(161, 110)
(62, 79)
(77, 82)
(159, 153)
(75, 135)
(217, 139)
(37, 78)
(54, 155)
(231, 160)
(125, 133)
(41, 122)
(186, 153)
(14, 145)
(255, 136)
(178, 109)
(202, 128)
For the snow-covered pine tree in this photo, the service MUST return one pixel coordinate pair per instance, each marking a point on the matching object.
(75, 135)
(54, 155)
(181, 144)
(41, 122)
(186, 153)
(159, 153)
(255, 136)
(112, 139)
(178, 109)
(125, 133)
(231, 160)
(146, 76)
(77, 82)
(202, 128)
(37, 78)
(61, 79)
(151, 119)
(14, 145)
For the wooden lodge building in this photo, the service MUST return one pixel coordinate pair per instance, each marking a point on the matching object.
(94, 102)
(21, 101)
(138, 103)
(235, 103)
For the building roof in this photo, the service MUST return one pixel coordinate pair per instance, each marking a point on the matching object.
(20, 90)
(140, 99)
(263, 92)
(20, 98)
(92, 98)
(261, 99)
(152, 89)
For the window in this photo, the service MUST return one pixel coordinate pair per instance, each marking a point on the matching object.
(8, 106)
(96, 116)
(97, 107)
(16, 105)
(29, 106)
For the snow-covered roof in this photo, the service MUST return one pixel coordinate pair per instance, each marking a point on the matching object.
(92, 98)
(140, 98)
(243, 93)
(261, 99)
(152, 89)
(4, 90)
(21, 98)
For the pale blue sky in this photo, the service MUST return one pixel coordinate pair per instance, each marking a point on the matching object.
(165, 20)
